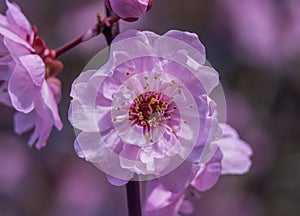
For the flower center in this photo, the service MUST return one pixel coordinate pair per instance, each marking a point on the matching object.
(150, 109)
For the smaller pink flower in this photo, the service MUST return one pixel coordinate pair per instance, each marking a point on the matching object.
(163, 202)
(233, 157)
(27, 77)
(129, 10)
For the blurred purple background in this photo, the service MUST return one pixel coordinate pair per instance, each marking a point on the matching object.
(255, 46)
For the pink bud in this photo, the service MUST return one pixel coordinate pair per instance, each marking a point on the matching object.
(129, 10)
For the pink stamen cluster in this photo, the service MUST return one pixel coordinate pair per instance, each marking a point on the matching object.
(151, 109)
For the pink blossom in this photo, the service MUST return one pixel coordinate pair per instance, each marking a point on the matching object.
(147, 110)
(129, 10)
(233, 157)
(29, 77)
(162, 202)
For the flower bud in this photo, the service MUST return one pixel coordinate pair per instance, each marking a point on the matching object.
(129, 10)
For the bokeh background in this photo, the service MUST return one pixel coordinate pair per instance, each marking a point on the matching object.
(255, 46)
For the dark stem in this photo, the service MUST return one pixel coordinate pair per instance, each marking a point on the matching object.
(111, 29)
(68, 46)
(104, 25)
(133, 198)
(107, 31)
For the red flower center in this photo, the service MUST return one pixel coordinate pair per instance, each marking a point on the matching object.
(150, 109)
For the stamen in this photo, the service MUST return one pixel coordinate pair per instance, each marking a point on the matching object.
(151, 110)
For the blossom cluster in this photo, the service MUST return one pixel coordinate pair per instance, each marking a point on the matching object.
(145, 115)
(28, 80)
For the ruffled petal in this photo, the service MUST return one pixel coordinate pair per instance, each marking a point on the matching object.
(175, 43)
(83, 112)
(35, 68)
(97, 152)
(17, 18)
(236, 153)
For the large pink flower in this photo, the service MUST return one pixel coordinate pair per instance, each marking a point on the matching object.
(147, 110)
(28, 72)
(129, 10)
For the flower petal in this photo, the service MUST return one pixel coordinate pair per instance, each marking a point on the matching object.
(15, 16)
(43, 127)
(83, 112)
(128, 9)
(161, 201)
(14, 37)
(47, 98)
(24, 122)
(95, 151)
(15, 49)
(236, 153)
(209, 173)
(175, 41)
(35, 68)
(179, 179)
(21, 90)
(115, 181)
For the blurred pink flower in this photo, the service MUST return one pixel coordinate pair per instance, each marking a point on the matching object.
(261, 32)
(233, 157)
(236, 153)
(29, 76)
(147, 110)
(129, 10)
